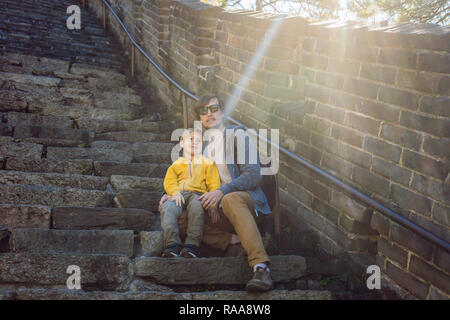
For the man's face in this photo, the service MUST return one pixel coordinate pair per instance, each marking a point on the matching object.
(212, 120)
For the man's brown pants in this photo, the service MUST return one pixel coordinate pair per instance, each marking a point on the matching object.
(237, 215)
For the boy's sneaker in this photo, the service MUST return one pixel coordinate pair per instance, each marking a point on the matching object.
(190, 251)
(172, 250)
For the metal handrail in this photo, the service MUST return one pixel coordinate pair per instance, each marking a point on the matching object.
(360, 196)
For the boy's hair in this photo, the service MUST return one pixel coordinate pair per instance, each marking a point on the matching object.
(189, 131)
(204, 100)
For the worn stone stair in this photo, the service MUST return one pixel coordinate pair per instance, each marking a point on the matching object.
(82, 157)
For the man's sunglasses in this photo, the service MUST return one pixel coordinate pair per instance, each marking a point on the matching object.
(204, 110)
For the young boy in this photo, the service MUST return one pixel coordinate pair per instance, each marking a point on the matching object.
(186, 179)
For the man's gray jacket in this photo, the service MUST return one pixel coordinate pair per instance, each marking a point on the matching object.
(245, 173)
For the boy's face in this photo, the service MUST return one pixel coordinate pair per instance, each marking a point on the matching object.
(192, 143)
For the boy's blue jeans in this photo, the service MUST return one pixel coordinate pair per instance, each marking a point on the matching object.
(170, 213)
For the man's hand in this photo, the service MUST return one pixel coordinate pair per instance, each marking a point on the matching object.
(214, 215)
(211, 199)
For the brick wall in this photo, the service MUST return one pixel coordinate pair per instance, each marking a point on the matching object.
(368, 104)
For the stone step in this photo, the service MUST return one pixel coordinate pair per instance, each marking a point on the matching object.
(24, 216)
(84, 111)
(153, 158)
(147, 200)
(132, 136)
(72, 241)
(8, 177)
(79, 218)
(29, 64)
(64, 294)
(81, 135)
(122, 183)
(108, 99)
(83, 167)
(108, 168)
(27, 79)
(233, 271)
(53, 196)
(49, 142)
(103, 272)
(88, 71)
(103, 125)
(31, 151)
(96, 154)
(31, 119)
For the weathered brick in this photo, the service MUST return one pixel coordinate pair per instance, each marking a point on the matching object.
(317, 93)
(362, 123)
(378, 73)
(281, 66)
(358, 52)
(370, 182)
(436, 294)
(343, 66)
(378, 110)
(318, 124)
(436, 105)
(399, 97)
(324, 143)
(391, 171)
(339, 166)
(442, 259)
(382, 149)
(440, 214)
(360, 87)
(429, 166)
(401, 136)
(436, 189)
(354, 155)
(314, 61)
(393, 252)
(434, 126)
(420, 81)
(429, 273)
(309, 44)
(434, 62)
(355, 227)
(344, 100)
(437, 147)
(330, 113)
(412, 241)
(325, 210)
(406, 280)
(329, 80)
(310, 153)
(349, 136)
(380, 223)
(398, 57)
(410, 200)
(351, 207)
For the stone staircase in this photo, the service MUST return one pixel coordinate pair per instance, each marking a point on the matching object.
(82, 157)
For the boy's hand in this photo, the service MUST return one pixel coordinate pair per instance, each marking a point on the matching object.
(179, 199)
(214, 215)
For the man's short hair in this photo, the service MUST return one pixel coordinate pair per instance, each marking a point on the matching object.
(204, 100)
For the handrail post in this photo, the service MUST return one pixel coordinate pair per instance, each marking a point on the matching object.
(84, 3)
(132, 59)
(104, 15)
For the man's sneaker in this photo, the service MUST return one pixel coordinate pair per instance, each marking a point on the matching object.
(190, 251)
(172, 250)
(262, 281)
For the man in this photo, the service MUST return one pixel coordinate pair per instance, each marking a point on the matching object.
(240, 200)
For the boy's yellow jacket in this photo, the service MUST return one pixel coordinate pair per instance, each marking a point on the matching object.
(200, 175)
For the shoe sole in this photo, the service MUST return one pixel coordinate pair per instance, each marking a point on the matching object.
(188, 255)
(258, 286)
